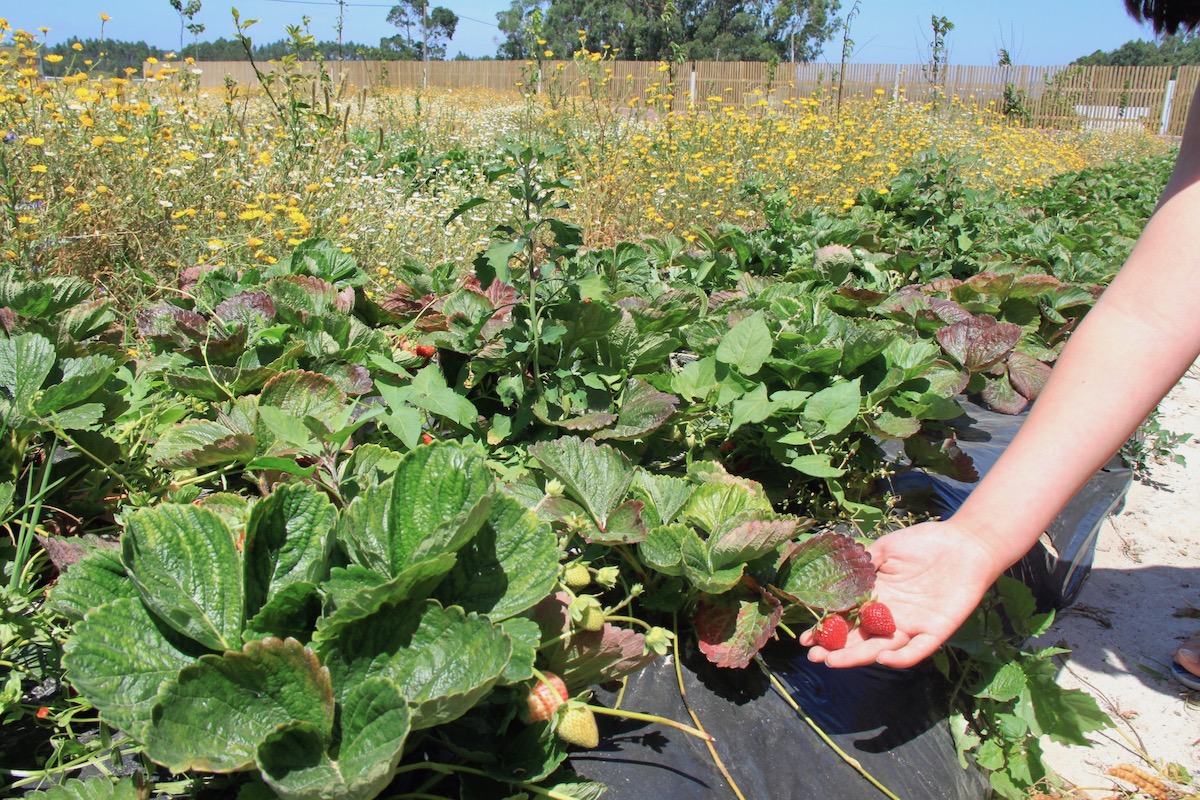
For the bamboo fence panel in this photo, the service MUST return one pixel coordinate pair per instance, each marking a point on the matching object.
(1089, 98)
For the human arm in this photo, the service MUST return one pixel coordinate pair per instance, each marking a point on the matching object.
(1128, 352)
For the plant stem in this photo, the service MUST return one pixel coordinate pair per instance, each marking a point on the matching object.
(712, 751)
(853, 762)
(670, 723)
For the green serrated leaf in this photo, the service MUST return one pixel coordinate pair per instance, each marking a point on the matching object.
(525, 636)
(375, 722)
(509, 566)
(81, 377)
(437, 500)
(662, 549)
(199, 443)
(664, 496)
(118, 658)
(187, 569)
(288, 540)
(358, 595)
(94, 580)
(1003, 685)
(219, 710)
(599, 476)
(711, 504)
(25, 362)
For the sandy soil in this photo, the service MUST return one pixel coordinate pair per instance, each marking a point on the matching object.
(1140, 602)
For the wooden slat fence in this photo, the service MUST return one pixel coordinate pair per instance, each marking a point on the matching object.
(1105, 98)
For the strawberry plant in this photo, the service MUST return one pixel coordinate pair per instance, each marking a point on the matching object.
(358, 531)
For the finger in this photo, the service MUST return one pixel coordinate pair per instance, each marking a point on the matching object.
(866, 652)
(916, 650)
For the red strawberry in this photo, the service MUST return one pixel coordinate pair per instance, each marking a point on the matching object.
(426, 438)
(876, 619)
(425, 350)
(831, 634)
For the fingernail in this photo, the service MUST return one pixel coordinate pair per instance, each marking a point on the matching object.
(1189, 656)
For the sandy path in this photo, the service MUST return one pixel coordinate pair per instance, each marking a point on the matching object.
(1141, 600)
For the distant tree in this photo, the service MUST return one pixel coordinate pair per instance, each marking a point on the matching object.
(521, 25)
(1169, 51)
(425, 31)
(187, 13)
(803, 26)
(648, 29)
(100, 56)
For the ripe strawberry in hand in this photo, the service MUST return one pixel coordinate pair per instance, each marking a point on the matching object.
(875, 619)
(831, 633)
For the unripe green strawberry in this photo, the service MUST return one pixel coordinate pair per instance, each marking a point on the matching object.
(577, 726)
(577, 576)
(587, 613)
(592, 619)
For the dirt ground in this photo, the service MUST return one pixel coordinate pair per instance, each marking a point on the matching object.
(1140, 602)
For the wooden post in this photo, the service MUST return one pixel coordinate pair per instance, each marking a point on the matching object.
(1166, 115)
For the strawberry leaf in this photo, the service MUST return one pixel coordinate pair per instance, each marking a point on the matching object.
(733, 627)
(827, 571)
(267, 684)
(1000, 396)
(979, 342)
(643, 411)
(1027, 374)
(749, 540)
(598, 476)
(586, 658)
(624, 526)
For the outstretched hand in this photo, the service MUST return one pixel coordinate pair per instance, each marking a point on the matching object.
(932, 577)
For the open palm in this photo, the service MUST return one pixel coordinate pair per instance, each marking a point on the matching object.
(932, 576)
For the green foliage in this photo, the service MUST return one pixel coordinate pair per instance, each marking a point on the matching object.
(1169, 51)
(754, 30)
(347, 521)
(1007, 698)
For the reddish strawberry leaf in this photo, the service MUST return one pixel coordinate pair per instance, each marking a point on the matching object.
(991, 283)
(828, 571)
(1027, 374)
(624, 525)
(1000, 396)
(643, 411)
(732, 627)
(1034, 285)
(246, 308)
(587, 657)
(750, 539)
(979, 342)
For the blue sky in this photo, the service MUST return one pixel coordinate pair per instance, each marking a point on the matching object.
(1036, 32)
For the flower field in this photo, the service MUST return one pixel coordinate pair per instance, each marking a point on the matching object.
(350, 439)
(110, 173)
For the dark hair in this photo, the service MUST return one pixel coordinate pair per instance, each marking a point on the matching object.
(1166, 16)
